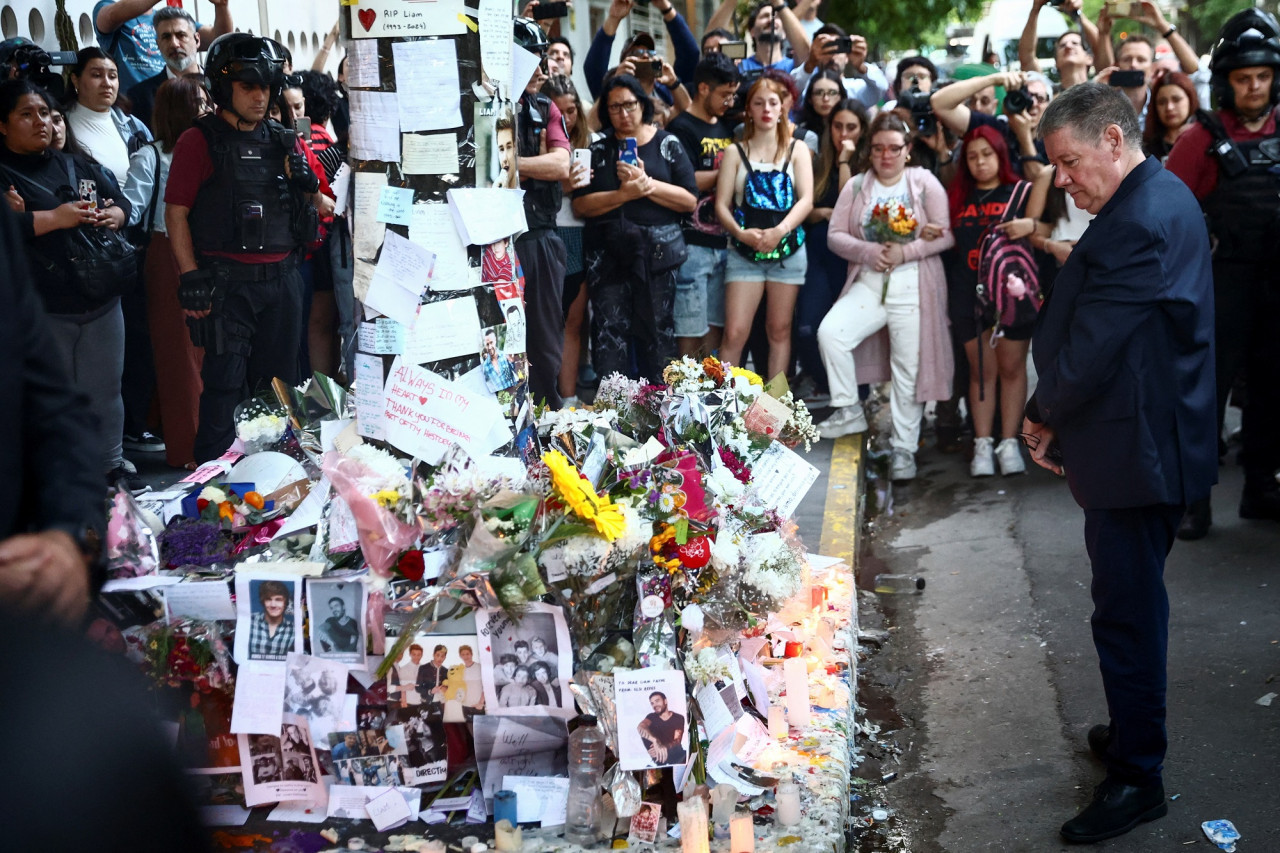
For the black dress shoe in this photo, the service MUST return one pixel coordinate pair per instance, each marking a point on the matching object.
(1099, 739)
(1196, 522)
(1261, 504)
(1116, 809)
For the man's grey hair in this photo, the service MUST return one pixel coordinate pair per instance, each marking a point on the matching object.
(1037, 77)
(1088, 109)
(171, 13)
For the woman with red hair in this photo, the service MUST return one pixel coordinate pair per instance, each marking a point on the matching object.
(1173, 109)
(979, 196)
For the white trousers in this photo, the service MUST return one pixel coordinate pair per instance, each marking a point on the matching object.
(857, 316)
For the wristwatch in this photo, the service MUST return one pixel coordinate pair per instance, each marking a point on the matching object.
(1173, 28)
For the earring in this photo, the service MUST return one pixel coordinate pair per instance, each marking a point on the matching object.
(908, 158)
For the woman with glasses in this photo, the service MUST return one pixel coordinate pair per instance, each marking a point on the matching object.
(842, 154)
(178, 102)
(825, 90)
(892, 225)
(763, 193)
(641, 184)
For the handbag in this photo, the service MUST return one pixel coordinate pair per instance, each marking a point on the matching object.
(101, 263)
(667, 249)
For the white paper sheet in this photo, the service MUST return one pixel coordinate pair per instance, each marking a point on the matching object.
(142, 582)
(436, 154)
(518, 746)
(523, 63)
(399, 279)
(495, 45)
(375, 131)
(780, 479)
(397, 18)
(715, 713)
(427, 83)
(426, 414)
(444, 330)
(488, 214)
(341, 184)
(544, 799)
(383, 336)
(309, 512)
(388, 810)
(542, 635)
(348, 801)
(332, 623)
(366, 236)
(259, 694)
(362, 64)
(204, 600)
(280, 767)
(316, 690)
(252, 610)
(431, 226)
(370, 400)
(653, 731)
(232, 815)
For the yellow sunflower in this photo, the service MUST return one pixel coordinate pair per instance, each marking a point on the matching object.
(582, 499)
(753, 378)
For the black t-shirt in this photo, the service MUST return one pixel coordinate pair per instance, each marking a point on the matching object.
(705, 144)
(976, 119)
(981, 210)
(664, 160)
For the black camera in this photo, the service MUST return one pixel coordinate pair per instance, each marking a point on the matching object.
(1016, 101)
(923, 121)
(32, 62)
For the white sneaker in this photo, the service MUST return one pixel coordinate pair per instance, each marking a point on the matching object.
(903, 465)
(569, 403)
(1010, 456)
(846, 420)
(984, 460)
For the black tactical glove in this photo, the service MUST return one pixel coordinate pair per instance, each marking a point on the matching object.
(300, 174)
(195, 290)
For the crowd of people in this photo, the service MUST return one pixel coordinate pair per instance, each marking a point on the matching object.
(767, 192)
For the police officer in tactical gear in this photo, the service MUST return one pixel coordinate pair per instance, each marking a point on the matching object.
(1231, 161)
(240, 203)
(542, 141)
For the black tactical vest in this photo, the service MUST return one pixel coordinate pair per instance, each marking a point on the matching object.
(541, 198)
(248, 205)
(1242, 209)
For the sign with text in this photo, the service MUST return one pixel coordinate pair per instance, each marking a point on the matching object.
(426, 414)
(398, 18)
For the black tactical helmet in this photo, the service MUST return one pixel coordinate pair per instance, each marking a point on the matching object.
(529, 35)
(1250, 38)
(247, 58)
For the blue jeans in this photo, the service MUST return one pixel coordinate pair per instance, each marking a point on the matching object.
(700, 292)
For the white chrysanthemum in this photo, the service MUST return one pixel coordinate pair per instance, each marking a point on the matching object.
(722, 484)
(266, 427)
(638, 533)
(390, 471)
(585, 555)
(213, 494)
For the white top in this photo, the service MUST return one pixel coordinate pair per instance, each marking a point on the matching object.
(1073, 225)
(140, 181)
(896, 194)
(97, 134)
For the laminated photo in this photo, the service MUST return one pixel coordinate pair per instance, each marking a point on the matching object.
(527, 665)
(653, 718)
(440, 672)
(316, 690)
(280, 768)
(268, 616)
(337, 609)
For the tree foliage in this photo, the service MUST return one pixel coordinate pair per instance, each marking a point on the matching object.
(897, 24)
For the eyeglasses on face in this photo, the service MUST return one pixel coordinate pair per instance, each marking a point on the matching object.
(826, 94)
(623, 107)
(1038, 97)
(888, 149)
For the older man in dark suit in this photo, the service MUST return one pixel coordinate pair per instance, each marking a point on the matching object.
(1126, 406)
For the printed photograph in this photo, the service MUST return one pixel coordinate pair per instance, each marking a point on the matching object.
(268, 626)
(440, 672)
(495, 139)
(337, 609)
(527, 666)
(653, 716)
(315, 690)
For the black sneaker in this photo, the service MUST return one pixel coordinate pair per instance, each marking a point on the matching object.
(125, 477)
(147, 442)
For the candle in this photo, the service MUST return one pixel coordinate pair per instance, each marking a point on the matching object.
(797, 680)
(742, 833)
(793, 649)
(787, 798)
(777, 722)
(504, 807)
(724, 798)
(508, 838)
(437, 846)
(693, 826)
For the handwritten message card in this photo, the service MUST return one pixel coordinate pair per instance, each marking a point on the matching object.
(427, 83)
(426, 414)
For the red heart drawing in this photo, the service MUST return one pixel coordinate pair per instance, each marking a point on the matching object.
(695, 553)
(422, 400)
(367, 17)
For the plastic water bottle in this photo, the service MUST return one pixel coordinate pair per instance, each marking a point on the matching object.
(906, 584)
(586, 763)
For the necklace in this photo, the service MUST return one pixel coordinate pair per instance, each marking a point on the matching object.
(983, 195)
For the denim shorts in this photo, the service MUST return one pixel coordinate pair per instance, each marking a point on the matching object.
(700, 292)
(786, 271)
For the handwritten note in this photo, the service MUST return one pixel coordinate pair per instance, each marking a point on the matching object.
(444, 330)
(383, 336)
(204, 600)
(436, 154)
(259, 701)
(539, 798)
(362, 65)
(388, 810)
(394, 204)
(370, 420)
(341, 184)
(781, 478)
(375, 134)
(431, 226)
(427, 414)
(486, 215)
(427, 83)
(495, 46)
(395, 18)
(400, 278)
(366, 237)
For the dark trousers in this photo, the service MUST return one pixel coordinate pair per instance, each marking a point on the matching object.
(1260, 434)
(260, 321)
(542, 258)
(138, 382)
(823, 280)
(1127, 548)
(631, 305)
(1233, 298)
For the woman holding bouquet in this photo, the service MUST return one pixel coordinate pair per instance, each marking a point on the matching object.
(763, 194)
(891, 224)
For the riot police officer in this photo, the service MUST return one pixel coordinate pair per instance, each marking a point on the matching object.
(1229, 158)
(542, 141)
(240, 203)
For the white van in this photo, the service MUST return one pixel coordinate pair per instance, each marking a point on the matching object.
(1001, 27)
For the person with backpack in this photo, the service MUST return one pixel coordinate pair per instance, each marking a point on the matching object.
(983, 296)
(763, 193)
(890, 322)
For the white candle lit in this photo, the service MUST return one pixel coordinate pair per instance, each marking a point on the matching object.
(693, 826)
(797, 680)
(788, 804)
(742, 833)
(777, 722)
(508, 838)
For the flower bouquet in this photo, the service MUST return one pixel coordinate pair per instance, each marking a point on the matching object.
(890, 223)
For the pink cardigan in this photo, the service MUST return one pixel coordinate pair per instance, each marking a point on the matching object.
(929, 202)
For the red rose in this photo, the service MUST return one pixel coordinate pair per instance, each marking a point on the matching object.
(411, 565)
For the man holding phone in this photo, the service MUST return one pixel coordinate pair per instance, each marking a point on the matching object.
(596, 63)
(846, 55)
(1134, 63)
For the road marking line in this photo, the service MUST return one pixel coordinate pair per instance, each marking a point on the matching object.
(844, 499)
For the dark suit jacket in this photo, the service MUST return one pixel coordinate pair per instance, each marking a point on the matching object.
(1124, 351)
(143, 96)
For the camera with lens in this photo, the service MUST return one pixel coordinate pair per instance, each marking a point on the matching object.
(1016, 101)
(34, 63)
(923, 121)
